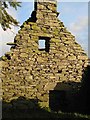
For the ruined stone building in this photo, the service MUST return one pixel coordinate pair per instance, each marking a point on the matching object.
(43, 54)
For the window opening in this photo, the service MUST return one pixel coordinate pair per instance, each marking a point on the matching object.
(44, 43)
(57, 100)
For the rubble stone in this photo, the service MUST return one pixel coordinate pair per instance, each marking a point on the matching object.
(31, 72)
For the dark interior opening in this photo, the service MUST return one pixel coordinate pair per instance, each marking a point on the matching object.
(57, 100)
(46, 41)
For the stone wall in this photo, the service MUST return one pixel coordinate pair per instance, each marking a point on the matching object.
(30, 72)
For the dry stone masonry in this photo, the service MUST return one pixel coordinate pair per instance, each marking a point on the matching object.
(32, 72)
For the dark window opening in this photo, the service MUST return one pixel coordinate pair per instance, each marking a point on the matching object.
(44, 43)
(57, 100)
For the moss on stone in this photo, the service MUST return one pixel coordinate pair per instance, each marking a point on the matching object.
(43, 104)
(55, 40)
(68, 42)
(23, 55)
(31, 23)
(35, 27)
(4, 58)
(33, 73)
(55, 32)
(44, 29)
(72, 57)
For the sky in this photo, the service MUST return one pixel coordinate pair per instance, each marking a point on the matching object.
(73, 14)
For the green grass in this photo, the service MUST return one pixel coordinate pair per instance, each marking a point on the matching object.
(42, 113)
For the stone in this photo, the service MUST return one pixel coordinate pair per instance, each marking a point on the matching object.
(27, 26)
(82, 57)
(35, 27)
(72, 57)
(30, 72)
(23, 55)
(49, 86)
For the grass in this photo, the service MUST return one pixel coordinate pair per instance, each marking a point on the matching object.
(42, 113)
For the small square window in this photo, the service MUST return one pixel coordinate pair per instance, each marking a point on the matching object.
(44, 43)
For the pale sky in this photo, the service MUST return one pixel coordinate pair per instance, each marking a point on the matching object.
(73, 14)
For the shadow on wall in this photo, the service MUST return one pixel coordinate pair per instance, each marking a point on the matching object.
(71, 96)
(85, 89)
(33, 17)
(23, 108)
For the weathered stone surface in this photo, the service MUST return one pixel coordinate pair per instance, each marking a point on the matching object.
(23, 55)
(49, 86)
(30, 72)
